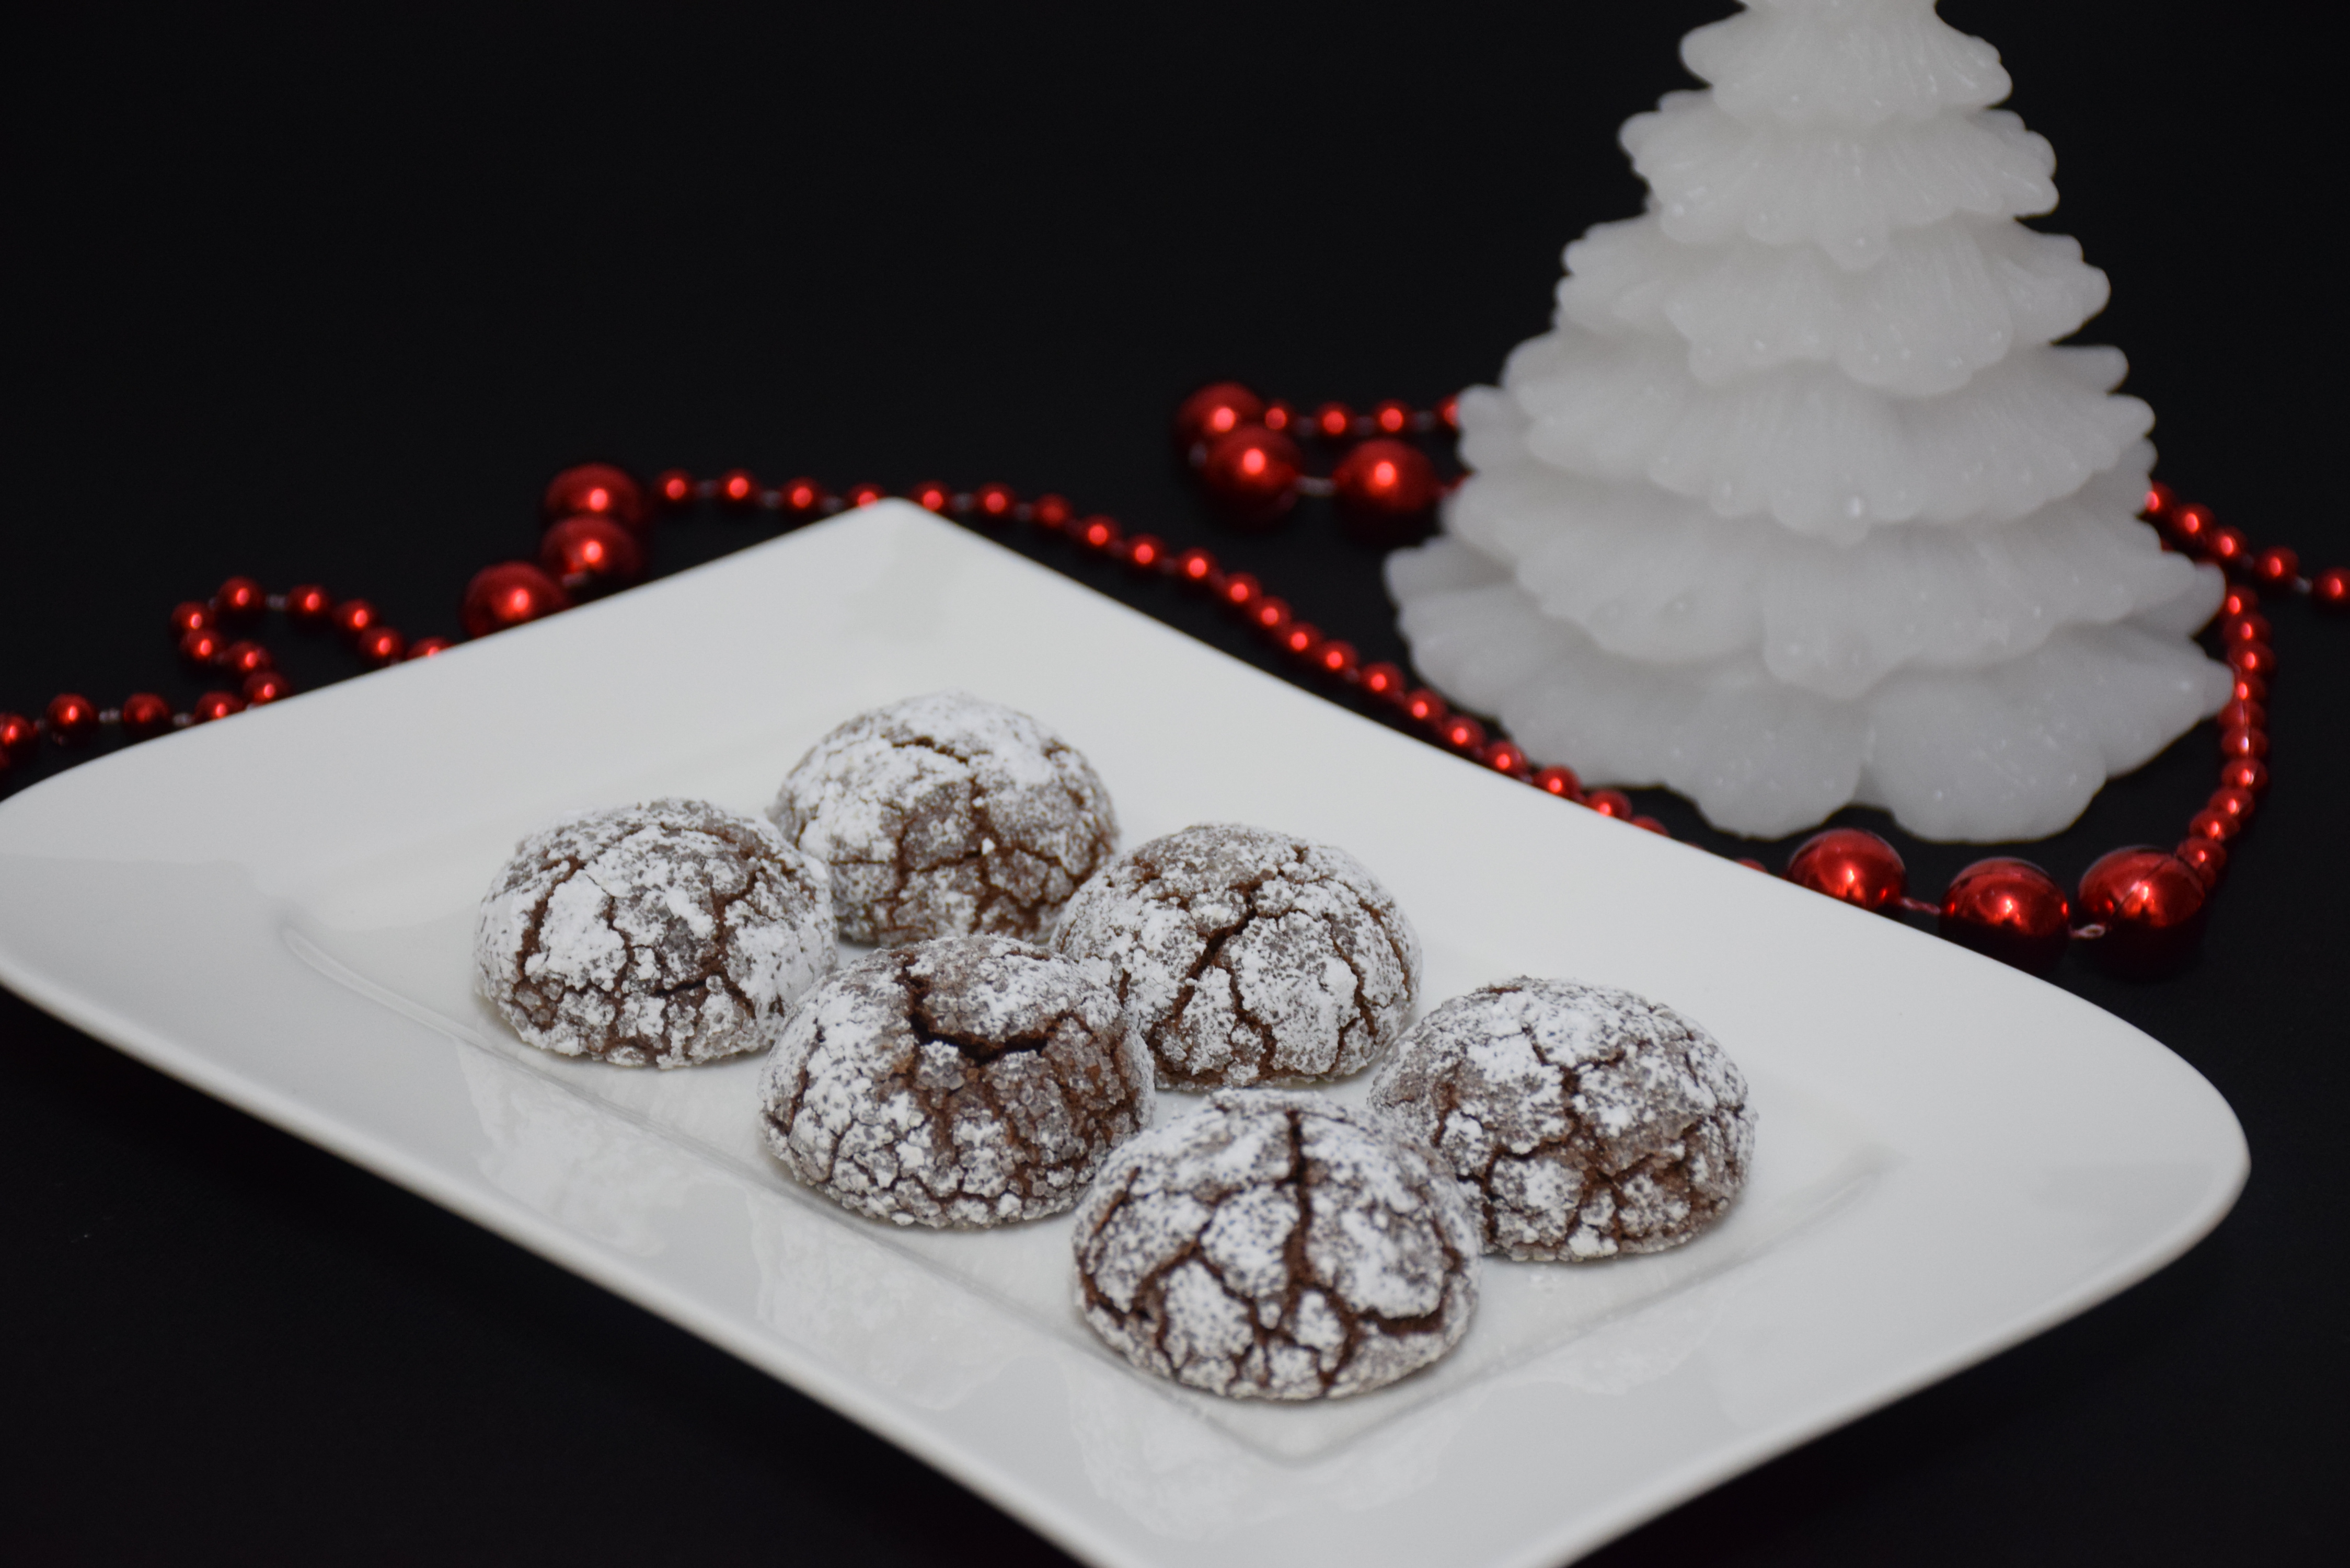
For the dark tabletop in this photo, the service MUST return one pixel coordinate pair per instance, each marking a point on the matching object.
(326, 297)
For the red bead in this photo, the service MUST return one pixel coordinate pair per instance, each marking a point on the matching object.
(381, 644)
(1269, 615)
(2158, 499)
(2209, 824)
(2252, 658)
(1194, 567)
(2151, 905)
(72, 717)
(2243, 742)
(590, 553)
(1300, 639)
(1424, 707)
(215, 705)
(2277, 566)
(1338, 659)
(1558, 780)
(2244, 772)
(2008, 910)
(426, 646)
(2250, 627)
(239, 601)
(1612, 802)
(932, 497)
(507, 595)
(145, 715)
(673, 488)
(994, 503)
(242, 659)
(1387, 484)
(189, 616)
(2191, 523)
(2240, 714)
(1216, 409)
(1334, 421)
(353, 617)
(18, 738)
(1241, 590)
(1391, 417)
(1099, 533)
(801, 497)
(1650, 825)
(1383, 681)
(1461, 732)
(1278, 416)
(1146, 552)
(1751, 865)
(2330, 589)
(2228, 545)
(1051, 511)
(598, 488)
(202, 647)
(2236, 804)
(2251, 688)
(1253, 474)
(265, 686)
(1851, 864)
(736, 487)
(2238, 600)
(2207, 857)
(1504, 757)
(307, 606)
(1447, 413)
(866, 494)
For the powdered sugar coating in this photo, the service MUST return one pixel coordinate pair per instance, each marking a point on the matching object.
(661, 934)
(1243, 955)
(1276, 1245)
(944, 814)
(1580, 1121)
(968, 1082)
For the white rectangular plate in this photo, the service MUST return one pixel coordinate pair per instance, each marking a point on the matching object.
(1952, 1156)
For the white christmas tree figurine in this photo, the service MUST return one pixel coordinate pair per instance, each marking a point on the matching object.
(1796, 505)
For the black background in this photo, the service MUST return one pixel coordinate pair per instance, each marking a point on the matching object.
(329, 294)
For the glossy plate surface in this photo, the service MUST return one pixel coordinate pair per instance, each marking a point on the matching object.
(1951, 1155)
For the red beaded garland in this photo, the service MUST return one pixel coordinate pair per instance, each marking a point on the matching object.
(866, 494)
(18, 738)
(353, 616)
(2207, 857)
(1612, 802)
(1051, 512)
(673, 487)
(2330, 589)
(1334, 421)
(265, 686)
(2245, 772)
(1391, 417)
(381, 644)
(2278, 566)
(1560, 782)
(1385, 485)
(2236, 804)
(1383, 681)
(738, 487)
(242, 659)
(1300, 638)
(2150, 904)
(1278, 416)
(1253, 474)
(215, 705)
(1269, 615)
(1461, 732)
(145, 715)
(238, 600)
(932, 496)
(71, 718)
(2243, 742)
(596, 488)
(1425, 706)
(1338, 660)
(507, 595)
(801, 497)
(1194, 567)
(2009, 910)
(307, 604)
(1851, 864)
(1241, 590)
(1505, 757)
(994, 502)
(1099, 533)
(189, 616)
(426, 646)
(592, 552)
(202, 647)
(1215, 409)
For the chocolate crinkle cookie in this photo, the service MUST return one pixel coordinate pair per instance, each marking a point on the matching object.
(1581, 1122)
(1247, 956)
(1276, 1245)
(655, 935)
(945, 816)
(967, 1082)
